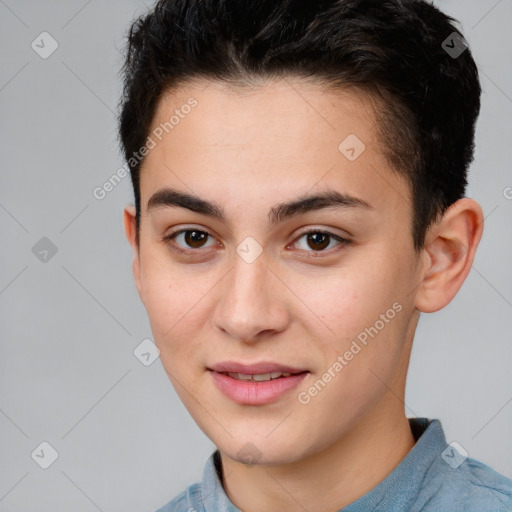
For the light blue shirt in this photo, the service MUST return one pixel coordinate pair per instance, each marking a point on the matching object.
(433, 477)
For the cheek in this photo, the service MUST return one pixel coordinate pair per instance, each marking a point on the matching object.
(166, 296)
(348, 301)
(176, 303)
(362, 316)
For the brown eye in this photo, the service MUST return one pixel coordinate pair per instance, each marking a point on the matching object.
(317, 241)
(194, 238)
(188, 239)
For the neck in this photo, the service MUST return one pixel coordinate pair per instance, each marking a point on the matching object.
(331, 479)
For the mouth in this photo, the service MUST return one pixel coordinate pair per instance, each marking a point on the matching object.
(262, 368)
(257, 384)
(260, 377)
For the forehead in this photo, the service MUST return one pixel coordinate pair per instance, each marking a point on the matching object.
(278, 139)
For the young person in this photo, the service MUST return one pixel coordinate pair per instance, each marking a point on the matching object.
(299, 171)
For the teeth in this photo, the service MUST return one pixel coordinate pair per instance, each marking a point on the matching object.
(259, 377)
(240, 376)
(262, 376)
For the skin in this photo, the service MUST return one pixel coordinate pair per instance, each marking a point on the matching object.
(247, 150)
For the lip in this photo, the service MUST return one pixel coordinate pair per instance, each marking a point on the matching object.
(255, 368)
(246, 392)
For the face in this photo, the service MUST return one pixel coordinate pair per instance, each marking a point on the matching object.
(249, 270)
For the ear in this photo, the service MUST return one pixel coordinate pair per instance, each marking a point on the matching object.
(130, 228)
(450, 247)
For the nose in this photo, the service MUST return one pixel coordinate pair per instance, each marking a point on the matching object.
(252, 302)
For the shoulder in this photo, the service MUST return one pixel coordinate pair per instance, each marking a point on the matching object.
(187, 501)
(471, 487)
(487, 485)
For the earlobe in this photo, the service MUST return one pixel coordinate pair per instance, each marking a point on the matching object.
(449, 253)
(130, 229)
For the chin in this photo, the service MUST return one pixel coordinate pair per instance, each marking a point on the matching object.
(263, 452)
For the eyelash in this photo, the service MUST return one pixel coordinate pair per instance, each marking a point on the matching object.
(174, 247)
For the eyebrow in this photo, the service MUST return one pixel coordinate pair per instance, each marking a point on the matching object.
(169, 197)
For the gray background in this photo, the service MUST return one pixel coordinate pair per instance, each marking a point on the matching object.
(68, 374)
